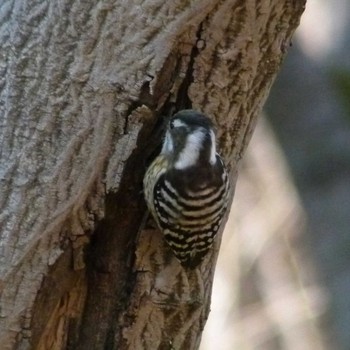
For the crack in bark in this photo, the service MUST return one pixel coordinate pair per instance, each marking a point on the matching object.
(183, 100)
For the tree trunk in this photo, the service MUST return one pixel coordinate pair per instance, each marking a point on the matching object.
(84, 87)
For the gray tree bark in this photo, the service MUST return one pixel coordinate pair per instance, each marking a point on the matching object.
(83, 88)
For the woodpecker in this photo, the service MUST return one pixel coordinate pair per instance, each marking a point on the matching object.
(186, 187)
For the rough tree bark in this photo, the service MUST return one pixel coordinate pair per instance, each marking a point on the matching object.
(83, 88)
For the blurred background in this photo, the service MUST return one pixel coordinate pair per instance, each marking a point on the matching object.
(283, 275)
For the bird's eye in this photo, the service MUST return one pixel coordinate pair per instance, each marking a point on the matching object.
(171, 124)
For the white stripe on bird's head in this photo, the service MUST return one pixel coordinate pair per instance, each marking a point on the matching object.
(177, 123)
(168, 146)
(189, 155)
(213, 148)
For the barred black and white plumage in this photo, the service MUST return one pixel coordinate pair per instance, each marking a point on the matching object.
(186, 187)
